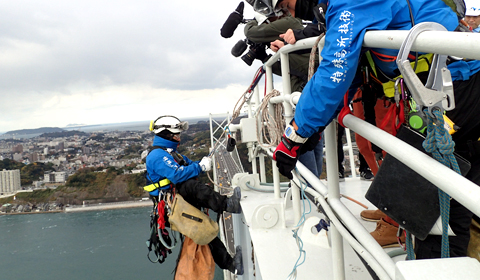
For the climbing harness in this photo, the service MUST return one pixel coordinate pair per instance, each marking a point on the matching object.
(163, 184)
(161, 241)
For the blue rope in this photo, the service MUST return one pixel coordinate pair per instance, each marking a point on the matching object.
(440, 144)
(303, 254)
(409, 244)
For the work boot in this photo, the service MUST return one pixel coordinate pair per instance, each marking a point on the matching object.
(372, 215)
(366, 175)
(238, 261)
(386, 234)
(236, 267)
(233, 202)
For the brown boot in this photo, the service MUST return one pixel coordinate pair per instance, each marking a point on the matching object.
(372, 215)
(386, 234)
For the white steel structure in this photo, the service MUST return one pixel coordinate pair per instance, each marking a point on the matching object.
(275, 229)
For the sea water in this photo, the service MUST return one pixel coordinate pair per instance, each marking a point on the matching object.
(84, 245)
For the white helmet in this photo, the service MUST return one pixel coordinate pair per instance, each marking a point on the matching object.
(170, 123)
(267, 8)
(473, 8)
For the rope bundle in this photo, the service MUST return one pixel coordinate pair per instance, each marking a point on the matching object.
(273, 124)
(440, 144)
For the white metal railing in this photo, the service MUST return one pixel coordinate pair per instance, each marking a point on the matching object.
(467, 193)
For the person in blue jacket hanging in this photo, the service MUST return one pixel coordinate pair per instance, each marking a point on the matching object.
(168, 170)
(322, 98)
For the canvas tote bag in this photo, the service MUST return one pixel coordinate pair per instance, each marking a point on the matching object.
(191, 222)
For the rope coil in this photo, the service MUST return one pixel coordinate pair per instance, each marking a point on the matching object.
(274, 124)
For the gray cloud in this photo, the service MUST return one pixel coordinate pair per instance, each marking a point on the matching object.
(51, 50)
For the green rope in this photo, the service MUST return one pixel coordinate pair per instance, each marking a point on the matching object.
(409, 244)
(440, 144)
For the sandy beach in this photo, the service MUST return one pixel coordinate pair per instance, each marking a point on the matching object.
(109, 206)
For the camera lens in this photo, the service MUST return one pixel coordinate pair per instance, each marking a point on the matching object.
(249, 57)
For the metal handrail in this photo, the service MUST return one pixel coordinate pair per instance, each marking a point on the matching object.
(467, 193)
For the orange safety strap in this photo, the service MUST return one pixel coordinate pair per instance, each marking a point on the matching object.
(388, 58)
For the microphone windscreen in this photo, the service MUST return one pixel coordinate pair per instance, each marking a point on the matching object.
(230, 25)
(239, 8)
(232, 22)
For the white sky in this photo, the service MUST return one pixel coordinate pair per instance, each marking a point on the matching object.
(106, 61)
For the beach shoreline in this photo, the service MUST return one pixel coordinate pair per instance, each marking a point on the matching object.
(95, 207)
(109, 206)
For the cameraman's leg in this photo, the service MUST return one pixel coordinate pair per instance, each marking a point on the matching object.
(201, 195)
(460, 219)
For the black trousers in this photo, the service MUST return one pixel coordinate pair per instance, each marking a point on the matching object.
(201, 195)
(465, 114)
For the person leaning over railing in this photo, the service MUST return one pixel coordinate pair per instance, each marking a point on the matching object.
(311, 10)
(268, 28)
(322, 98)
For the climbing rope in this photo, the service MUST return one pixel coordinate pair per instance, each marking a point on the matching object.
(236, 112)
(439, 143)
(409, 244)
(241, 101)
(311, 63)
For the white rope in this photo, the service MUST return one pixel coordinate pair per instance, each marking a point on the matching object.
(236, 112)
(272, 124)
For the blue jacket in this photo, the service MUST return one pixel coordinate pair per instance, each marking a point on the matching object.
(347, 21)
(161, 165)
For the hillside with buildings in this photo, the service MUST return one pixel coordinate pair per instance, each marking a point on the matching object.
(40, 130)
(73, 167)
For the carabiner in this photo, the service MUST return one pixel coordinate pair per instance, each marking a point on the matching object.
(397, 93)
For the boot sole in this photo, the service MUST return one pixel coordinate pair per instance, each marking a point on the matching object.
(391, 245)
(369, 220)
(363, 179)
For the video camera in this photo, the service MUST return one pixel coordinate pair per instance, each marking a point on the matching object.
(255, 51)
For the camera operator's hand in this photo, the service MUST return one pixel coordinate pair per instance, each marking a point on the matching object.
(276, 45)
(289, 37)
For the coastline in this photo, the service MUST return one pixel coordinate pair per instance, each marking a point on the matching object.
(96, 207)
(109, 206)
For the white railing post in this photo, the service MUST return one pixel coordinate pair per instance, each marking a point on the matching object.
(334, 193)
